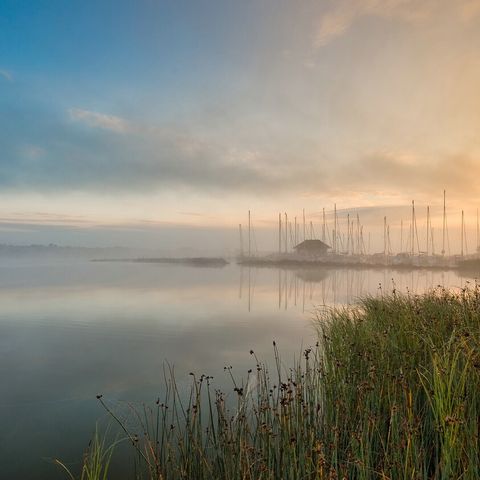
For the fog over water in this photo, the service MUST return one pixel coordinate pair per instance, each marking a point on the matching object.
(71, 329)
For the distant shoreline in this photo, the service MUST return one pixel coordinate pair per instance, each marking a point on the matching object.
(193, 261)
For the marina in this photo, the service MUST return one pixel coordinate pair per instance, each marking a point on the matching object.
(342, 243)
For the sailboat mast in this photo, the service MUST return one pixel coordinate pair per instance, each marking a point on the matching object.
(241, 239)
(348, 233)
(286, 233)
(296, 242)
(280, 233)
(428, 227)
(249, 234)
(323, 226)
(416, 229)
(358, 234)
(465, 236)
(304, 231)
(352, 236)
(362, 244)
(385, 236)
(401, 235)
(478, 234)
(444, 223)
(335, 228)
(462, 232)
(389, 245)
(413, 229)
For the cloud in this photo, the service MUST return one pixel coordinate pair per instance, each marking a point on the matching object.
(344, 13)
(340, 18)
(333, 24)
(59, 156)
(6, 75)
(100, 120)
(413, 174)
(115, 154)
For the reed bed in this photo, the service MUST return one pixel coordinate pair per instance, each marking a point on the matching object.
(391, 391)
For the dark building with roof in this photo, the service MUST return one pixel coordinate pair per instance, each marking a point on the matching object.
(312, 247)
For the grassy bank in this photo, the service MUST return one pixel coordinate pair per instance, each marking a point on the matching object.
(391, 391)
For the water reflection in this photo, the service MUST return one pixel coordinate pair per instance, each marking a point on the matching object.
(313, 287)
(71, 330)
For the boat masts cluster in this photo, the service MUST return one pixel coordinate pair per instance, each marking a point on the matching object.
(345, 236)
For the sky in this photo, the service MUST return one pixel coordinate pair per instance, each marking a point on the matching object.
(155, 122)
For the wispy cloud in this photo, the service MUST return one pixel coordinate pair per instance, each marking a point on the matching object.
(44, 218)
(153, 158)
(6, 74)
(100, 120)
(335, 23)
(344, 13)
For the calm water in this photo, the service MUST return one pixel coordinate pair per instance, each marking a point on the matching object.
(71, 330)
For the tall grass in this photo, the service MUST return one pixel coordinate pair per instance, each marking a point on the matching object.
(391, 391)
(96, 460)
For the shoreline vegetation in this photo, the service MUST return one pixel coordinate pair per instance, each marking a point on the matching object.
(390, 391)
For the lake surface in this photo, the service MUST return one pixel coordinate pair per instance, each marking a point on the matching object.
(71, 330)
